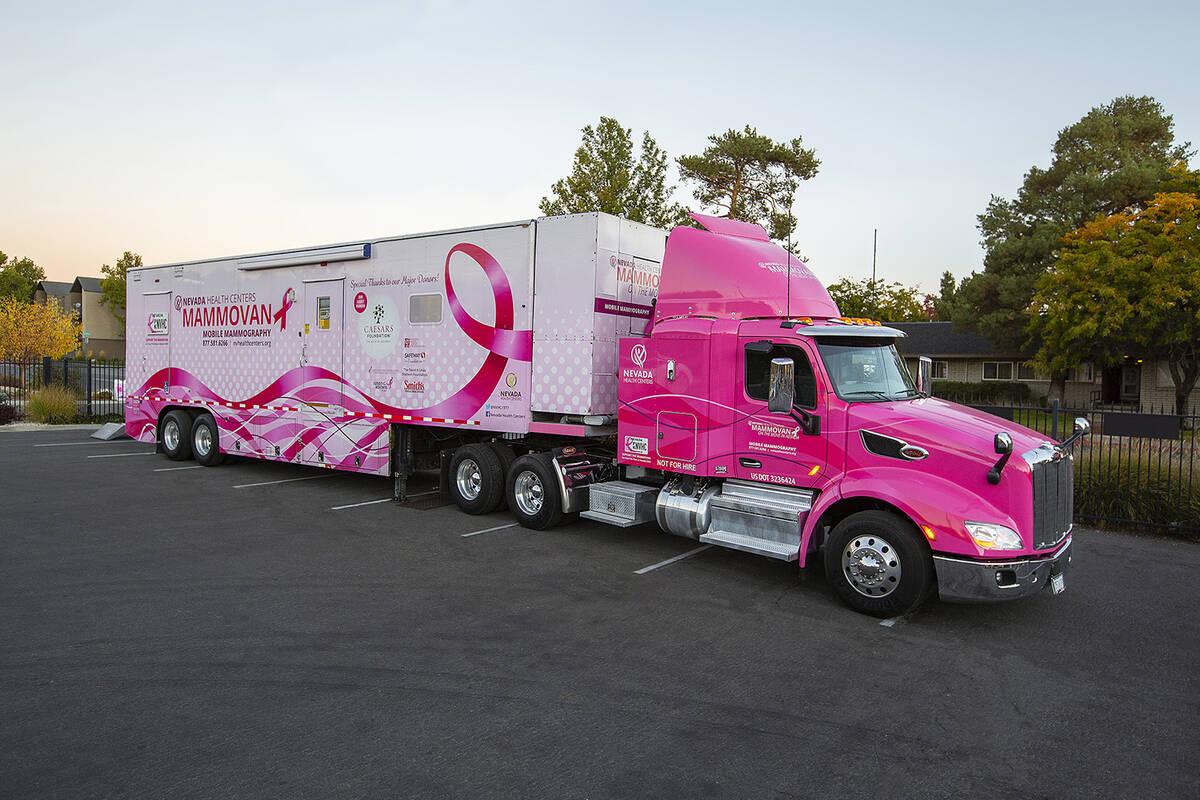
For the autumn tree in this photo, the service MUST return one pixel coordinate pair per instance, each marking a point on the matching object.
(607, 176)
(1116, 157)
(1127, 283)
(887, 302)
(745, 175)
(19, 277)
(31, 330)
(112, 285)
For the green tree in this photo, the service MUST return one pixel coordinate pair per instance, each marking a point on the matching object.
(887, 302)
(941, 305)
(750, 177)
(1116, 157)
(606, 176)
(19, 277)
(112, 285)
(1127, 283)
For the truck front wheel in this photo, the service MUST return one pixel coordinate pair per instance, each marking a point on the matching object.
(878, 563)
(533, 495)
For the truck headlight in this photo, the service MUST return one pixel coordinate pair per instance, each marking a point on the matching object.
(990, 536)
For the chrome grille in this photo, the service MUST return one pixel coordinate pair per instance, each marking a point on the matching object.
(1053, 501)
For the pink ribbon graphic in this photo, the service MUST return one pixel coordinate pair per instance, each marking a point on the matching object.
(502, 339)
(289, 299)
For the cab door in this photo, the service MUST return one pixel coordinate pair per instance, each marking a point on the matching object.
(773, 448)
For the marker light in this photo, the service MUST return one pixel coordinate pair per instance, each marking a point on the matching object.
(814, 470)
(990, 536)
(929, 534)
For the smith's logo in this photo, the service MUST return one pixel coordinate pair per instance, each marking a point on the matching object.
(638, 354)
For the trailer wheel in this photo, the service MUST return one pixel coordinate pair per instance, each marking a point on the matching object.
(205, 442)
(176, 435)
(477, 479)
(533, 495)
(878, 563)
(507, 457)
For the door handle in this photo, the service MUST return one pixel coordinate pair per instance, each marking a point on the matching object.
(752, 463)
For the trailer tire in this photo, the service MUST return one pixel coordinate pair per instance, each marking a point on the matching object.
(477, 479)
(533, 495)
(507, 457)
(878, 563)
(176, 435)
(205, 441)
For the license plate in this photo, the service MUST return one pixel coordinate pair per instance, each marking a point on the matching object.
(1058, 583)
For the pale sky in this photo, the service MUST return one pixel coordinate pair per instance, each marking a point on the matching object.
(192, 130)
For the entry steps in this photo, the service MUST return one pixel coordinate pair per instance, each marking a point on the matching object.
(765, 520)
(620, 503)
(752, 517)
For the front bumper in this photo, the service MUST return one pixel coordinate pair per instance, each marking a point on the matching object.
(963, 581)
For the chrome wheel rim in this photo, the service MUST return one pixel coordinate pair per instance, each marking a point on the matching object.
(529, 493)
(469, 479)
(171, 435)
(871, 565)
(202, 441)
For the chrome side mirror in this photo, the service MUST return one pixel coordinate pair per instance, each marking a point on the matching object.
(1082, 426)
(924, 375)
(781, 396)
(1002, 444)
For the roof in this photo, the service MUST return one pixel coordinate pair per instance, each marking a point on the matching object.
(54, 288)
(86, 284)
(941, 339)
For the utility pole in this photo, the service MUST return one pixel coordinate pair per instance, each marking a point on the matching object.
(874, 301)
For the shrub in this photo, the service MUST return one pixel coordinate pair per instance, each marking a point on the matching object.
(1160, 491)
(7, 413)
(985, 391)
(53, 404)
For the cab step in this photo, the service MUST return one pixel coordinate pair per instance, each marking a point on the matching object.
(764, 520)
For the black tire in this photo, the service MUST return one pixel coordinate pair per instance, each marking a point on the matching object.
(205, 441)
(533, 493)
(507, 457)
(878, 563)
(176, 435)
(476, 479)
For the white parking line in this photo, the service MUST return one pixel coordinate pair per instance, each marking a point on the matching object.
(489, 530)
(68, 444)
(119, 455)
(285, 480)
(373, 502)
(172, 469)
(679, 557)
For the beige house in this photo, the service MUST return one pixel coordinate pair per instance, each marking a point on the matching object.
(959, 356)
(102, 335)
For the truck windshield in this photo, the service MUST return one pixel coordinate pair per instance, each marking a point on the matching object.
(866, 370)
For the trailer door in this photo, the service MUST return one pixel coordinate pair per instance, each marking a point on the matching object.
(156, 333)
(321, 411)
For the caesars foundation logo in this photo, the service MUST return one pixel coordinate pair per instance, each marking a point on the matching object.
(638, 354)
(378, 326)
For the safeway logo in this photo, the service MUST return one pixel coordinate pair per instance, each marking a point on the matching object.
(638, 354)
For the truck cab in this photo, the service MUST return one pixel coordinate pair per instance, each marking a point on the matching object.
(777, 426)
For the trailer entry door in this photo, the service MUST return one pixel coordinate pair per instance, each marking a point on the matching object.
(321, 390)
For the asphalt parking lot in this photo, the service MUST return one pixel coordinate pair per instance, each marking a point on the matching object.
(269, 630)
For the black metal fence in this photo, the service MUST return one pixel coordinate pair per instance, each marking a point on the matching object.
(98, 386)
(1138, 466)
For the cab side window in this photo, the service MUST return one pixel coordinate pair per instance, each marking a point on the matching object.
(758, 374)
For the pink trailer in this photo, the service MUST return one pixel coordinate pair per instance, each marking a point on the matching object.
(588, 364)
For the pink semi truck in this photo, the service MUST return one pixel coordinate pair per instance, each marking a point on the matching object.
(590, 365)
